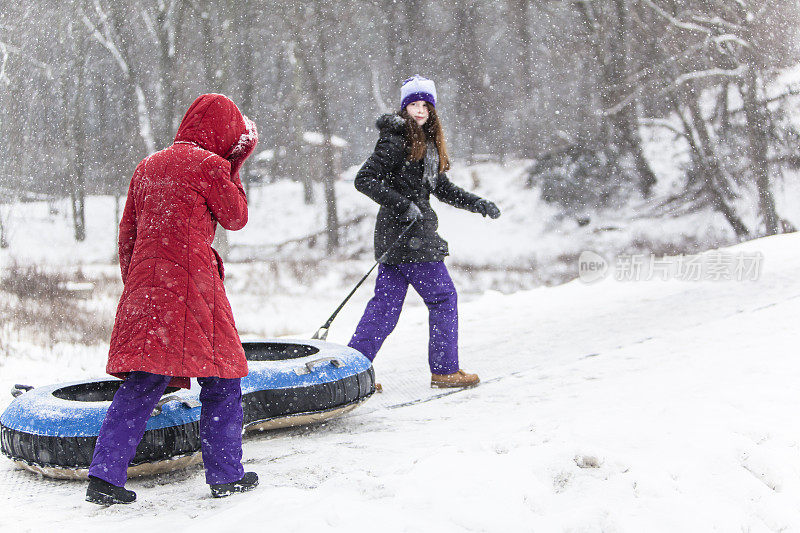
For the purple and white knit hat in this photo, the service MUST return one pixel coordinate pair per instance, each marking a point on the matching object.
(417, 88)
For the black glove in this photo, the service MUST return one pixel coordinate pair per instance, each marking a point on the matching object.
(412, 214)
(487, 208)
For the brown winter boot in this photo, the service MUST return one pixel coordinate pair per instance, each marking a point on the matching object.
(456, 379)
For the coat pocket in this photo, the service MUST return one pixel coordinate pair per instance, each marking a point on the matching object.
(220, 266)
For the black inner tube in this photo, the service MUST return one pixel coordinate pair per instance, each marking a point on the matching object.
(98, 391)
(175, 441)
(103, 391)
(276, 351)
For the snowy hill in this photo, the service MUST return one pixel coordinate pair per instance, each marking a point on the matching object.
(613, 406)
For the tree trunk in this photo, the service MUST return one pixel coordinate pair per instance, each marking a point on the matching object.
(612, 58)
(393, 35)
(626, 123)
(3, 241)
(169, 32)
(136, 112)
(303, 165)
(308, 189)
(714, 180)
(212, 62)
(332, 218)
(518, 11)
(315, 74)
(409, 58)
(329, 168)
(74, 107)
(757, 124)
(246, 70)
(471, 99)
(723, 110)
(117, 219)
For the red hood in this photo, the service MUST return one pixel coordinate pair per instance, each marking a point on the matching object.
(215, 123)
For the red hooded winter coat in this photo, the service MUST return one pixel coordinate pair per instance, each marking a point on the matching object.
(173, 317)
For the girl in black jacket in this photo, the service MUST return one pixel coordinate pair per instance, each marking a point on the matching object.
(407, 166)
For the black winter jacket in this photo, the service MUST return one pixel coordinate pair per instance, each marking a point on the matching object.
(389, 178)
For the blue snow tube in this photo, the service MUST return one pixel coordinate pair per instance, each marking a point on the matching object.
(53, 429)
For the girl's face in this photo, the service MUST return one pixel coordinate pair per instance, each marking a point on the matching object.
(418, 111)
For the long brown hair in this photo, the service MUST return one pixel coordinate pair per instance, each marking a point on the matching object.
(418, 137)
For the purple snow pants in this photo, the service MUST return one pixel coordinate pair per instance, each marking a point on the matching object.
(124, 426)
(433, 283)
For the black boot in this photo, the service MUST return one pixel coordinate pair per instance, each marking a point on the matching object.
(104, 493)
(248, 482)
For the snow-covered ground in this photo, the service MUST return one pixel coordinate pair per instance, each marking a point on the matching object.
(613, 406)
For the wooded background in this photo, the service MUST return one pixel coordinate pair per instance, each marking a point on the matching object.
(89, 87)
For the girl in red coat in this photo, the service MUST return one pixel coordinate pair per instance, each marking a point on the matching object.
(174, 321)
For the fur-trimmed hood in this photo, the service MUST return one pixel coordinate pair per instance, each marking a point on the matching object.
(391, 123)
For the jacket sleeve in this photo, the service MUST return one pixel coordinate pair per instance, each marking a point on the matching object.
(127, 230)
(389, 152)
(224, 193)
(244, 147)
(454, 195)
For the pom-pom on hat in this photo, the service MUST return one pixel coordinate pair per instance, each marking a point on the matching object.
(417, 88)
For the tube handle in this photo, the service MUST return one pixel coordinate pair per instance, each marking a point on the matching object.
(309, 366)
(186, 402)
(19, 389)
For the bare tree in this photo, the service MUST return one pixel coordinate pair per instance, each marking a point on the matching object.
(111, 28)
(608, 29)
(72, 80)
(700, 45)
(167, 27)
(312, 27)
